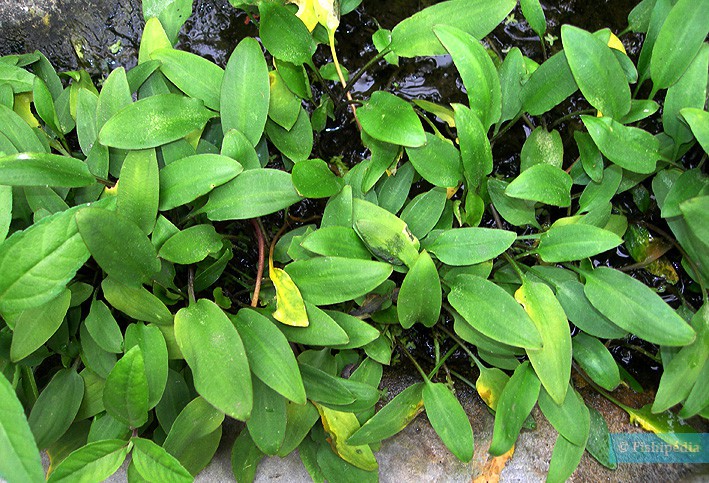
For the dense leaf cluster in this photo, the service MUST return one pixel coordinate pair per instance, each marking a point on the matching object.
(118, 224)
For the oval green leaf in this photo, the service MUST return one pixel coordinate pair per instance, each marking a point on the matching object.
(595, 359)
(125, 395)
(468, 246)
(43, 169)
(93, 462)
(544, 183)
(34, 326)
(575, 241)
(449, 419)
(155, 464)
(391, 119)
(192, 74)
(313, 178)
(420, 294)
(215, 353)
(136, 302)
(191, 245)
(437, 161)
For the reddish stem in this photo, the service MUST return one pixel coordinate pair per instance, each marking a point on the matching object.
(261, 257)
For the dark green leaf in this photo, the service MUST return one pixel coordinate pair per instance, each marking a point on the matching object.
(126, 393)
(532, 11)
(191, 245)
(313, 178)
(542, 146)
(136, 302)
(139, 189)
(423, 212)
(322, 387)
(698, 122)
(284, 35)
(475, 150)
(56, 407)
(571, 418)
(35, 325)
(322, 331)
(267, 423)
(336, 241)
(548, 86)
(516, 211)
(119, 246)
(297, 143)
(596, 361)
(359, 332)
(245, 457)
(564, 459)
(154, 349)
(420, 295)
(599, 441)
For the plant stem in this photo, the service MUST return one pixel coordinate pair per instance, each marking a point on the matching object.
(261, 256)
(413, 361)
(642, 351)
(463, 378)
(462, 345)
(342, 78)
(507, 127)
(571, 115)
(353, 80)
(190, 284)
(516, 268)
(450, 352)
(533, 236)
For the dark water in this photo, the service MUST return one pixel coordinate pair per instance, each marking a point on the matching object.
(106, 35)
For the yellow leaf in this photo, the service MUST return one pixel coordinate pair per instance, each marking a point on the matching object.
(22, 108)
(492, 469)
(290, 308)
(314, 12)
(615, 43)
(340, 426)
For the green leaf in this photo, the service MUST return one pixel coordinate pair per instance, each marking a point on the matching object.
(284, 35)
(324, 388)
(437, 161)
(324, 464)
(359, 332)
(389, 118)
(548, 86)
(192, 428)
(565, 458)
(255, 192)
(189, 178)
(245, 89)
(16, 77)
(35, 325)
(414, 35)
(126, 393)
(245, 457)
(331, 280)
(322, 330)
(596, 361)
(283, 104)
(491, 310)
(596, 71)
(21, 460)
(533, 13)
(517, 212)
(115, 95)
(449, 419)
(56, 407)
(154, 349)
(571, 418)
(297, 143)
(139, 189)
(552, 362)
(575, 241)
(698, 122)
(423, 212)
(682, 372)
(420, 294)
(475, 150)
(599, 440)
(154, 121)
(155, 464)
(191, 245)
(267, 423)
(629, 147)
(269, 354)
(680, 38)
(300, 419)
(544, 183)
(5, 211)
(194, 75)
(118, 245)
(392, 418)
(336, 241)
(18, 132)
(695, 214)
(598, 194)
(93, 462)
(103, 328)
(635, 307)
(516, 402)
(136, 302)
(542, 146)
(42, 169)
(468, 246)
(477, 72)
(584, 315)
(690, 91)
(205, 334)
(37, 262)
(385, 235)
(313, 178)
